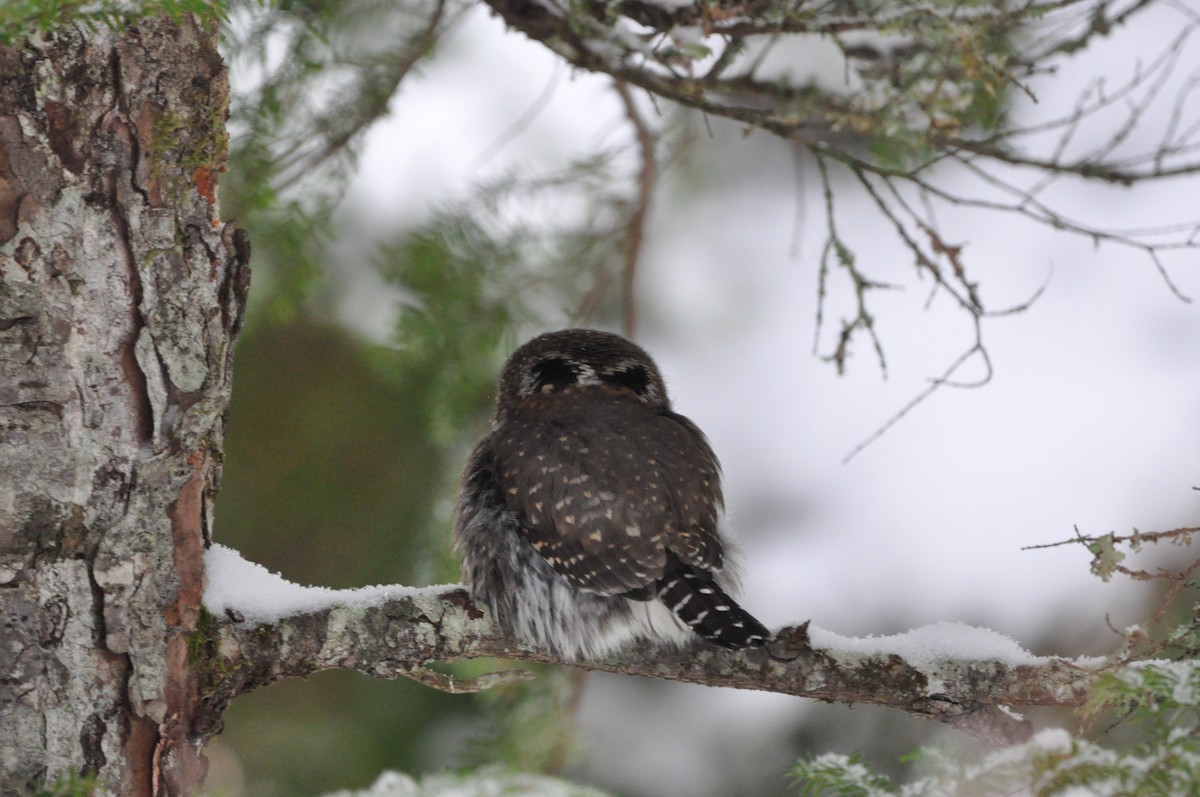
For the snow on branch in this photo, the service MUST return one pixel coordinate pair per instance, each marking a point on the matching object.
(261, 628)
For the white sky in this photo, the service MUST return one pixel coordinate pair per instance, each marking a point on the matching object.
(1092, 417)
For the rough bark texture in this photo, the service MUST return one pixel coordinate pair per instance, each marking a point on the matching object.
(402, 635)
(119, 297)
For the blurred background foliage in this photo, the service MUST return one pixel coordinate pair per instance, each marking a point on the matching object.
(343, 452)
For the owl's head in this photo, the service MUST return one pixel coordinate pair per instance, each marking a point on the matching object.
(579, 358)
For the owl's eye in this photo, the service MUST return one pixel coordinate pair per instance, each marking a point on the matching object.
(553, 373)
(631, 377)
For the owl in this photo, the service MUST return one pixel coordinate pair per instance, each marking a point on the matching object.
(591, 515)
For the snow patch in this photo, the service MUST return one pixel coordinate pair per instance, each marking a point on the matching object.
(1052, 740)
(486, 783)
(932, 643)
(251, 592)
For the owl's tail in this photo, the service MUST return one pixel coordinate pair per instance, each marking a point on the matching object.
(699, 601)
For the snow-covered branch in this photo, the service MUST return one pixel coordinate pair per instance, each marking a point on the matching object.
(262, 628)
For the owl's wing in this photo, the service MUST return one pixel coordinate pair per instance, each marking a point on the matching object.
(605, 493)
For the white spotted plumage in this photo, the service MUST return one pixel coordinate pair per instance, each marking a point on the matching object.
(590, 516)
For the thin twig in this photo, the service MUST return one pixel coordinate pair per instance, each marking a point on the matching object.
(943, 381)
(301, 162)
(647, 178)
(523, 121)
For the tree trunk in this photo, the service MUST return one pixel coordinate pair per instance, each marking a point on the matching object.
(120, 295)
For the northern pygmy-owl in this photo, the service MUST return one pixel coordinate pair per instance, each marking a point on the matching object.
(589, 517)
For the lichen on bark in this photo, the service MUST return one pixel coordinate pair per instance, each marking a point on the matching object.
(120, 294)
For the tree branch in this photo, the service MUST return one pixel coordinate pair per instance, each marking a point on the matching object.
(647, 178)
(927, 100)
(402, 635)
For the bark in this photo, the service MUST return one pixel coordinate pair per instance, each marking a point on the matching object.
(120, 294)
(401, 636)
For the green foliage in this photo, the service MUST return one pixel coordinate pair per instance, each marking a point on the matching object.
(530, 725)
(480, 274)
(291, 234)
(1160, 700)
(1166, 689)
(324, 73)
(955, 83)
(210, 670)
(1184, 640)
(20, 18)
(840, 775)
(68, 784)
(453, 329)
(1157, 701)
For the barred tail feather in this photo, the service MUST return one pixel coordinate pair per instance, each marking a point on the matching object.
(696, 599)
